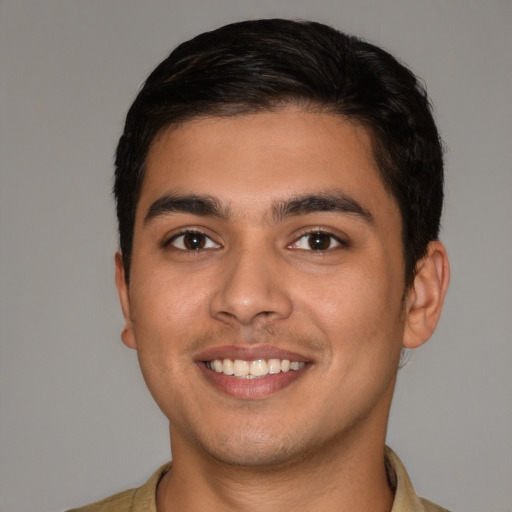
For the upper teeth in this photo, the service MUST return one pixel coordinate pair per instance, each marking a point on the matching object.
(250, 369)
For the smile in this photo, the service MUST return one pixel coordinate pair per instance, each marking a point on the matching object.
(253, 369)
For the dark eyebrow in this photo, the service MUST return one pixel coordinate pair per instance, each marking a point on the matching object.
(196, 205)
(322, 202)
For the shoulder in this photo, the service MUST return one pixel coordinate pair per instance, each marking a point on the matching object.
(120, 502)
(406, 499)
(428, 506)
(132, 500)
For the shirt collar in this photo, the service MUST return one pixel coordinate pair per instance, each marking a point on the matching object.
(406, 500)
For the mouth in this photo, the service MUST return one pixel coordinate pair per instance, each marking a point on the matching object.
(254, 369)
(251, 372)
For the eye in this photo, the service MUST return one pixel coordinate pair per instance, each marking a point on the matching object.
(192, 241)
(317, 241)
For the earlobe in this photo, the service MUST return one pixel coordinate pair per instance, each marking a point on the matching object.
(127, 334)
(425, 298)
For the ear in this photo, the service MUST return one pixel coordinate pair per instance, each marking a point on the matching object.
(127, 334)
(424, 300)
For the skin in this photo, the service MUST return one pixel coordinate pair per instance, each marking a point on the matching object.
(316, 443)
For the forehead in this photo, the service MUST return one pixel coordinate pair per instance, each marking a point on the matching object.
(253, 160)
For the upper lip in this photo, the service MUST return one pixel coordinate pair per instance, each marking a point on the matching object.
(249, 353)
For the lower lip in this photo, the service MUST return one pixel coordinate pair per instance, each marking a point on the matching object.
(251, 389)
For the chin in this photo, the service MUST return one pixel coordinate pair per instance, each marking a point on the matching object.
(255, 456)
(252, 447)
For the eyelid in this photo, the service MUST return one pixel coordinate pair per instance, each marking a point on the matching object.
(169, 239)
(341, 240)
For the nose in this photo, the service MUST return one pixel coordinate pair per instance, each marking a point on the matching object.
(253, 288)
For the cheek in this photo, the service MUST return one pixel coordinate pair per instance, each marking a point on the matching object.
(170, 303)
(167, 319)
(166, 312)
(358, 308)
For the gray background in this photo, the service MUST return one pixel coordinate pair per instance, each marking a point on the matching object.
(76, 421)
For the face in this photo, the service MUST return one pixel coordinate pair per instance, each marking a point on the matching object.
(266, 287)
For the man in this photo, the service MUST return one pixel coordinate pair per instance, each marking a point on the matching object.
(279, 189)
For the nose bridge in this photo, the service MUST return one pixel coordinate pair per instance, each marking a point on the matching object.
(252, 286)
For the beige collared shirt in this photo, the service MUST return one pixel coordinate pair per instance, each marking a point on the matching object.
(142, 499)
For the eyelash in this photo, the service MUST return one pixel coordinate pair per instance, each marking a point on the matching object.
(207, 240)
(339, 242)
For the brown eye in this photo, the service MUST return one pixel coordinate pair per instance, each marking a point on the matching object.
(319, 241)
(193, 241)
